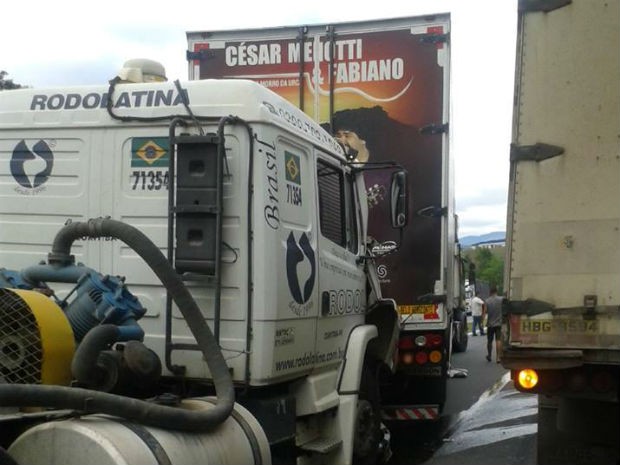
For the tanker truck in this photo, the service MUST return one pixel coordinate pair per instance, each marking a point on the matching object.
(562, 329)
(186, 277)
(384, 85)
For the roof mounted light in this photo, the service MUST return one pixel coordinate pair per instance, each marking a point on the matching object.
(142, 70)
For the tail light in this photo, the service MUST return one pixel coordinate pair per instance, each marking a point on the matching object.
(527, 378)
(420, 349)
(577, 380)
(435, 356)
(434, 340)
(421, 357)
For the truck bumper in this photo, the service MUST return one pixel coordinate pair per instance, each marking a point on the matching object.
(549, 359)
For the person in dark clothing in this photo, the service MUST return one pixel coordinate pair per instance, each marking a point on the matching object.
(494, 324)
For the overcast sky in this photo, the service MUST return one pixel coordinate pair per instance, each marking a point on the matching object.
(63, 42)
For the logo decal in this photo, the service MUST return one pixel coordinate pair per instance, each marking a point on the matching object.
(295, 254)
(32, 168)
(149, 152)
(382, 271)
(293, 170)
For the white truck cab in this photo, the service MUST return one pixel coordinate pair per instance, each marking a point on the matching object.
(255, 207)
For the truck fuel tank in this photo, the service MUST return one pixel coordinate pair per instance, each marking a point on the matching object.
(104, 440)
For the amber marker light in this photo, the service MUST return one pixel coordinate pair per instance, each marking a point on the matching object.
(435, 356)
(527, 378)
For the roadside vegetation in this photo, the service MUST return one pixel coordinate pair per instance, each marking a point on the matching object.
(489, 265)
(8, 84)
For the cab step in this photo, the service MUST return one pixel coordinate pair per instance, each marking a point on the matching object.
(321, 445)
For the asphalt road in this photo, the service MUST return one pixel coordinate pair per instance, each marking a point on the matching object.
(481, 376)
(485, 421)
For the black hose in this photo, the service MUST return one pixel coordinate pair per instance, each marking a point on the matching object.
(91, 401)
(84, 364)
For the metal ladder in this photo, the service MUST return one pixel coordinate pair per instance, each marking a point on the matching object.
(195, 199)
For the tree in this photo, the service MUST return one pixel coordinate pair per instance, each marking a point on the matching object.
(7, 84)
(489, 267)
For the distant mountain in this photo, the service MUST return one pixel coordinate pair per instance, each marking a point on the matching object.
(468, 241)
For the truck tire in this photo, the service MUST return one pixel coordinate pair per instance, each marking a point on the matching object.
(367, 434)
(368, 447)
(459, 334)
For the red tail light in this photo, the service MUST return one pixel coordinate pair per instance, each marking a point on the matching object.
(434, 340)
(405, 343)
(421, 358)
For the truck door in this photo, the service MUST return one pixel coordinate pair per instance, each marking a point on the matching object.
(341, 277)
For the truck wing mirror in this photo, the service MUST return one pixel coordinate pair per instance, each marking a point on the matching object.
(398, 200)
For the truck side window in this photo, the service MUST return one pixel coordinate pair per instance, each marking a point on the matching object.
(331, 203)
(337, 206)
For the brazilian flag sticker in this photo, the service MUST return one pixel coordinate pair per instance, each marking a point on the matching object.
(293, 167)
(150, 152)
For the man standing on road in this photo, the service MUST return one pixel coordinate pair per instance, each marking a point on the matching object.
(494, 324)
(477, 312)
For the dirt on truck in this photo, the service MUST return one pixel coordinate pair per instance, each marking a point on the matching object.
(381, 87)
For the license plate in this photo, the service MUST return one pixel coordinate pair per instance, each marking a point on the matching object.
(417, 309)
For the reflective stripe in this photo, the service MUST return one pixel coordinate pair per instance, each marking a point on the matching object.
(414, 413)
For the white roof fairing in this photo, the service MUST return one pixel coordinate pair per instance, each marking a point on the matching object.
(85, 106)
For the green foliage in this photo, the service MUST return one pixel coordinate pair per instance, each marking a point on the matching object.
(489, 265)
(7, 84)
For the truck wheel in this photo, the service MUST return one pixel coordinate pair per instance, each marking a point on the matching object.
(367, 438)
(459, 339)
(369, 447)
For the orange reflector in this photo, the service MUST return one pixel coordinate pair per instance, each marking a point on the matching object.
(527, 378)
(407, 358)
(435, 356)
